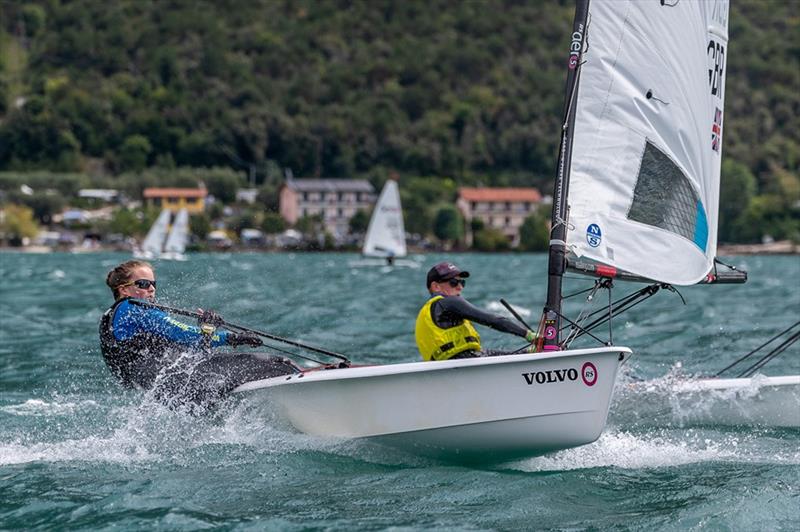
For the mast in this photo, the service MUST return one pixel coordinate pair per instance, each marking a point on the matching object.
(558, 233)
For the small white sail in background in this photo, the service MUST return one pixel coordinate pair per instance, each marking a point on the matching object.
(154, 241)
(386, 235)
(178, 237)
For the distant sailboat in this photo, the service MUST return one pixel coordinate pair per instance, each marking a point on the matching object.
(178, 237)
(154, 241)
(163, 242)
(385, 243)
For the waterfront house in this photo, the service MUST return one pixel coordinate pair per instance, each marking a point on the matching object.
(503, 209)
(175, 199)
(334, 200)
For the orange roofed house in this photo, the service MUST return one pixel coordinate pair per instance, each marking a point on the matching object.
(175, 199)
(503, 209)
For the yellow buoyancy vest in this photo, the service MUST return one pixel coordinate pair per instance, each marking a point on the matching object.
(435, 343)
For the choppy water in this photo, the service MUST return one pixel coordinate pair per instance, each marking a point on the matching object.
(76, 452)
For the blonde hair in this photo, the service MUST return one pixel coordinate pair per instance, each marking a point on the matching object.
(122, 274)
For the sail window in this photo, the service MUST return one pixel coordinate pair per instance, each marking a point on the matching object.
(664, 198)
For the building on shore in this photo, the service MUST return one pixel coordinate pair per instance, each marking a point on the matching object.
(175, 199)
(334, 200)
(503, 209)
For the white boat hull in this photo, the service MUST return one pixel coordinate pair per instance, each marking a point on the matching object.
(373, 262)
(508, 405)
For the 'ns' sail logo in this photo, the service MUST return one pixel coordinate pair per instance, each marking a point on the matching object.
(593, 235)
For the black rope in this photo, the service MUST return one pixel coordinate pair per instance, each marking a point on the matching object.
(769, 356)
(757, 349)
(579, 293)
(574, 332)
(632, 296)
(241, 328)
(583, 331)
(621, 305)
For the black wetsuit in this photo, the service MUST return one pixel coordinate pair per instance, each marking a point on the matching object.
(450, 311)
(145, 348)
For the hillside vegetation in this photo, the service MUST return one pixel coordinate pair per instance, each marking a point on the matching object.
(469, 91)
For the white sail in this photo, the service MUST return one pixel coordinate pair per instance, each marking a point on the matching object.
(644, 186)
(178, 234)
(154, 241)
(386, 236)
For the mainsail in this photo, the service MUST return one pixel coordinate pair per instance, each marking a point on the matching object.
(386, 235)
(153, 242)
(643, 190)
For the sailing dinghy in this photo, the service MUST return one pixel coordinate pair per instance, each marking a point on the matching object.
(385, 242)
(635, 199)
(489, 408)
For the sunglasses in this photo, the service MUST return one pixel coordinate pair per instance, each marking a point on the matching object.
(456, 282)
(142, 284)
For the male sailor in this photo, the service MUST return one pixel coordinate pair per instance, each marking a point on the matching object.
(146, 348)
(444, 327)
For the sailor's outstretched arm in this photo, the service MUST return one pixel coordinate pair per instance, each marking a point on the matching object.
(460, 307)
(132, 319)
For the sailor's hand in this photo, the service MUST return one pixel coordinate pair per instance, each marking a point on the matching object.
(530, 336)
(209, 317)
(236, 339)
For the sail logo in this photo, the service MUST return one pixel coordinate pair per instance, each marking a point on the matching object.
(550, 376)
(716, 68)
(716, 130)
(575, 47)
(593, 235)
(589, 374)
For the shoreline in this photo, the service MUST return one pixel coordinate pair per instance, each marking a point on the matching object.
(783, 247)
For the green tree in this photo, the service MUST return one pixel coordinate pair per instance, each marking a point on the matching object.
(273, 223)
(134, 152)
(310, 226)
(125, 222)
(737, 187)
(359, 222)
(200, 225)
(534, 234)
(33, 18)
(268, 197)
(448, 224)
(490, 239)
(17, 223)
(223, 183)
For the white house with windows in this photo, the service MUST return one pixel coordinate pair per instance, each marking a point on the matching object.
(335, 200)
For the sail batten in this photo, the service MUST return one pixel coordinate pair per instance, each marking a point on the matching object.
(645, 163)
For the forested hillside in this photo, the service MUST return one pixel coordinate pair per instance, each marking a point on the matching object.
(466, 90)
